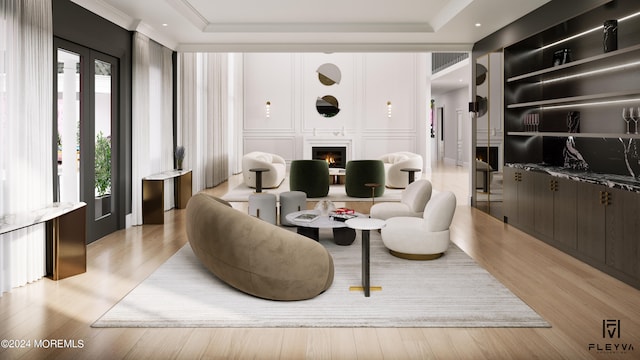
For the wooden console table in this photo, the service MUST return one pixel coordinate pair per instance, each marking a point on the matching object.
(66, 249)
(153, 194)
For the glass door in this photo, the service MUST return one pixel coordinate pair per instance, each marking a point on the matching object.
(104, 110)
(86, 109)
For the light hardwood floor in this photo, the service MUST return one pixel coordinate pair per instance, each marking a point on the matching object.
(573, 297)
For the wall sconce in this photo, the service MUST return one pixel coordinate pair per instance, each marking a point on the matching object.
(267, 109)
(389, 109)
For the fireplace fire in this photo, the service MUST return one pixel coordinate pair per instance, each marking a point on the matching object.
(335, 156)
(492, 156)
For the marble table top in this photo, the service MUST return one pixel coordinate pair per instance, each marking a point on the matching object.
(166, 175)
(321, 222)
(366, 223)
(12, 222)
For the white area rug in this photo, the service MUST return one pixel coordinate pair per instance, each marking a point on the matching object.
(452, 291)
(336, 193)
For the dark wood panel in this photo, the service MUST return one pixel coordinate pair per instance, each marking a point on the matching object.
(591, 224)
(510, 196)
(543, 204)
(623, 231)
(565, 226)
(526, 197)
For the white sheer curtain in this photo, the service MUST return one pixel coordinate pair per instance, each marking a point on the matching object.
(236, 111)
(152, 128)
(203, 121)
(26, 140)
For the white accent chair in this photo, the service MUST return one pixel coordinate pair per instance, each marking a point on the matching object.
(422, 239)
(257, 159)
(393, 162)
(412, 202)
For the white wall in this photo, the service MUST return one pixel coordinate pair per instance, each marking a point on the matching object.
(369, 80)
(451, 102)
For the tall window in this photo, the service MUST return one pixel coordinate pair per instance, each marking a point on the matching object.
(68, 137)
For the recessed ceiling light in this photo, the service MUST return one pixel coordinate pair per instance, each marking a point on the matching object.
(478, 24)
(165, 24)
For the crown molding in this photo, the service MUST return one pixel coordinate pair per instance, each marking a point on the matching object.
(125, 21)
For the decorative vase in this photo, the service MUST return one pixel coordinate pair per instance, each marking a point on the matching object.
(562, 56)
(325, 207)
(610, 40)
(179, 155)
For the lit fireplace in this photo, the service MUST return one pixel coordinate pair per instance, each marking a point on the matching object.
(330, 160)
(336, 157)
(491, 158)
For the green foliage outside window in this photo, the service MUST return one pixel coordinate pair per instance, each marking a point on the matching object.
(103, 164)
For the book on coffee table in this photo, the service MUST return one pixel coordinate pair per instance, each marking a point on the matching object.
(342, 217)
(306, 217)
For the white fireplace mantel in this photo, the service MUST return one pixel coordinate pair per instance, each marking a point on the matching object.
(311, 141)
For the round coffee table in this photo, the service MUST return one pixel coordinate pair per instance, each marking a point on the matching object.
(342, 234)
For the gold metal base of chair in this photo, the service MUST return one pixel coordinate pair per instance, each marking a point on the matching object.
(415, 256)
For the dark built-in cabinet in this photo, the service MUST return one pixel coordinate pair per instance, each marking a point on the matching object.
(518, 195)
(555, 216)
(608, 228)
(572, 174)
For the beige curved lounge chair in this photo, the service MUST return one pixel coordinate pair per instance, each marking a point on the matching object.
(254, 256)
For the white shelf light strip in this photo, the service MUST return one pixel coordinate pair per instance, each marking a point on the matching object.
(587, 32)
(595, 103)
(593, 72)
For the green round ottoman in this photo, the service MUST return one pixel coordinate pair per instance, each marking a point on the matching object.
(310, 177)
(361, 172)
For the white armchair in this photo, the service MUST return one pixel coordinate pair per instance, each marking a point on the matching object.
(393, 162)
(257, 159)
(412, 202)
(422, 239)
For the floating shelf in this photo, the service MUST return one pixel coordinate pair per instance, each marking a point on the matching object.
(575, 100)
(574, 63)
(576, 135)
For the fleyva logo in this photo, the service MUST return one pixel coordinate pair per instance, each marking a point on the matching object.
(611, 333)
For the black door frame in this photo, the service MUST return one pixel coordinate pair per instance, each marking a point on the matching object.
(96, 228)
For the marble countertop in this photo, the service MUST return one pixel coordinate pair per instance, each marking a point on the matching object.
(11, 222)
(609, 180)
